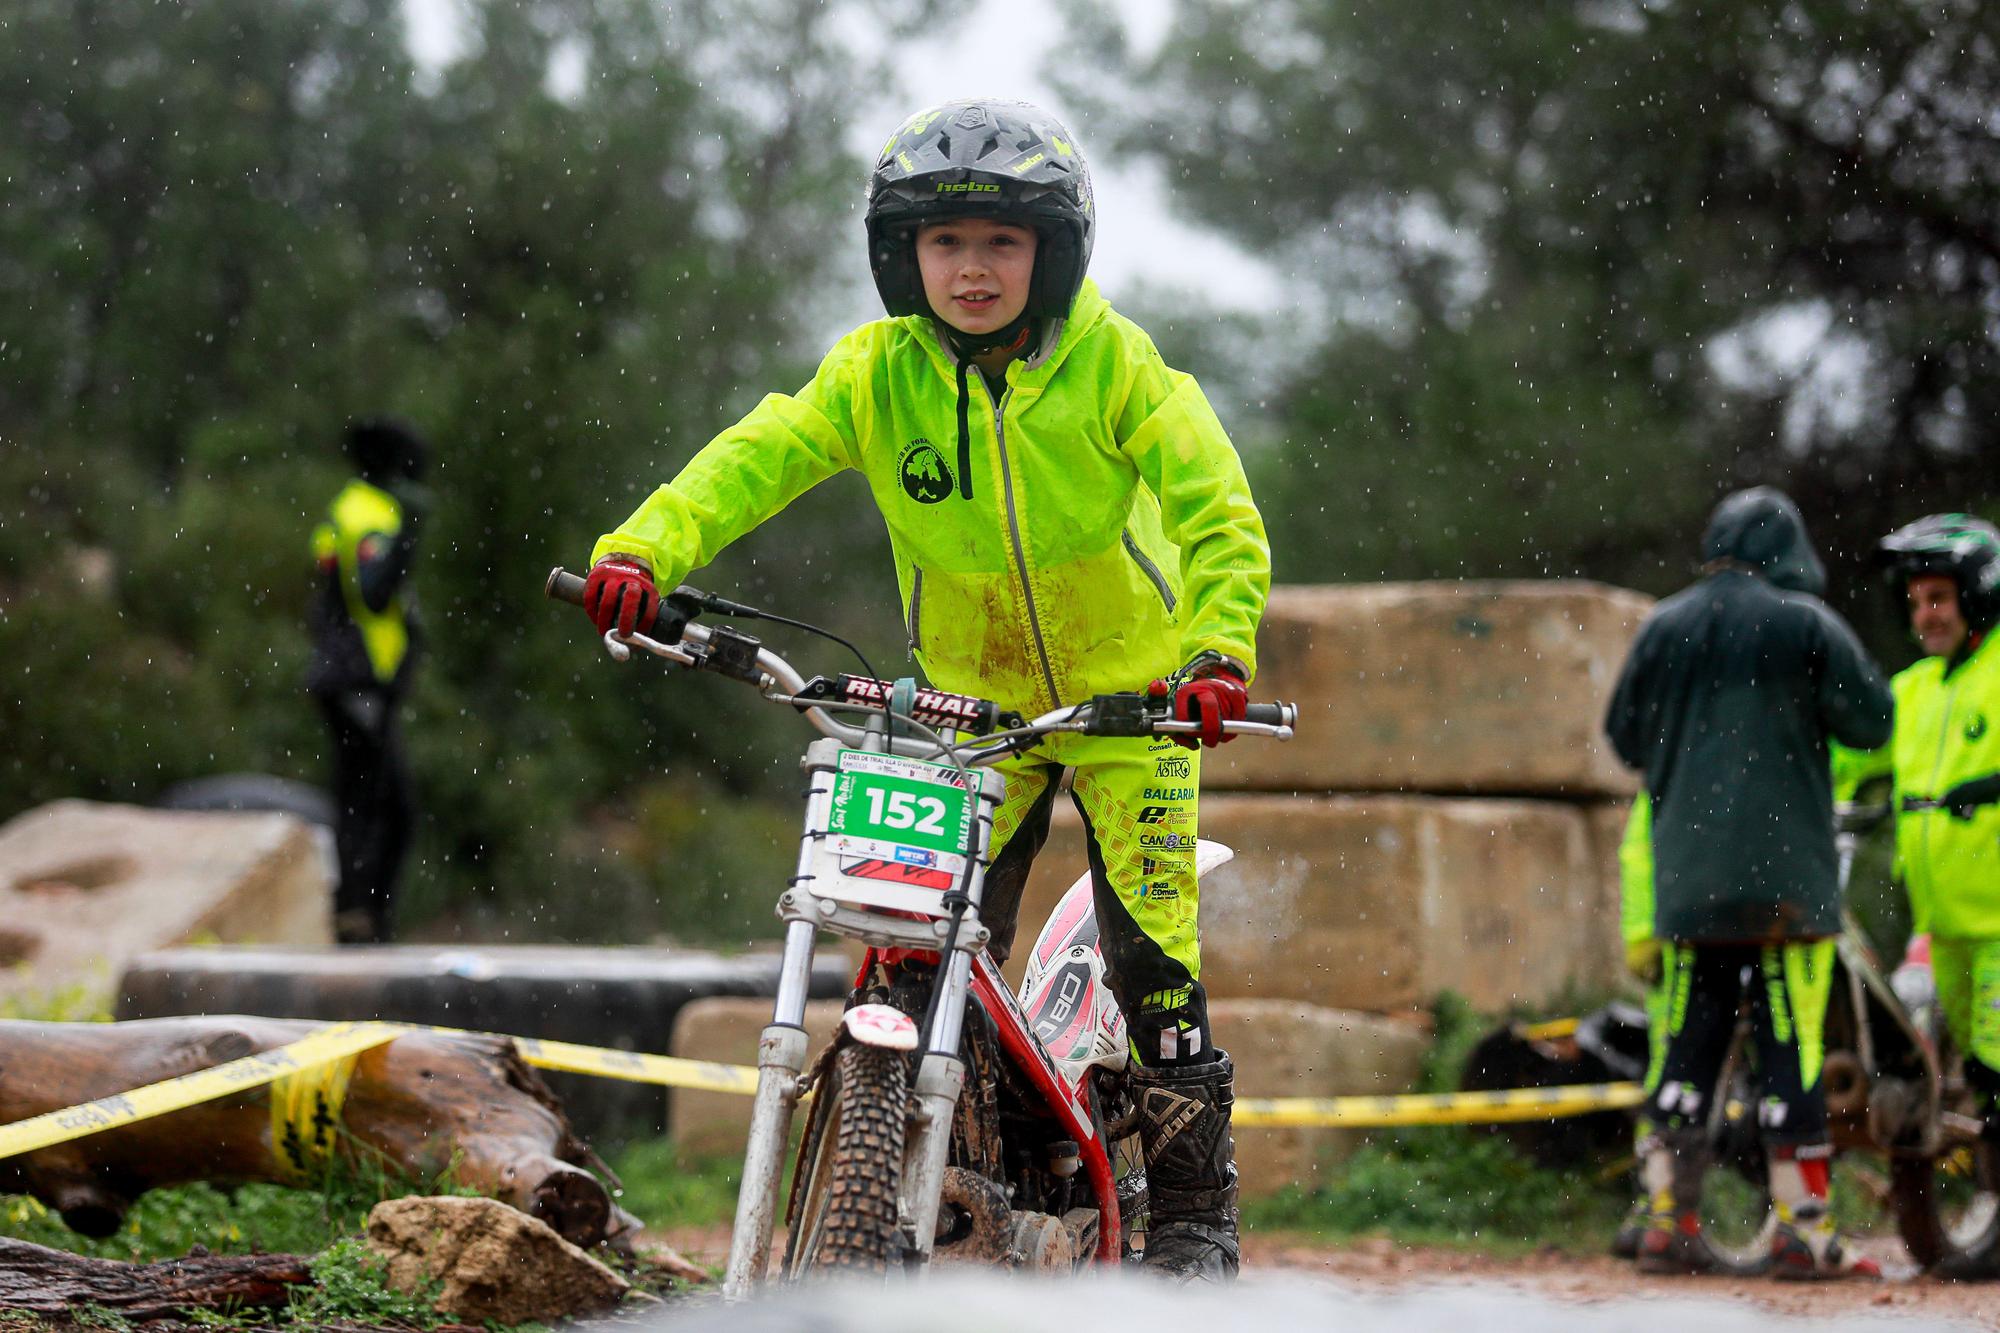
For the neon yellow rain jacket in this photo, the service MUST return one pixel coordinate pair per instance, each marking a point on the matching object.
(1948, 731)
(1105, 533)
(354, 644)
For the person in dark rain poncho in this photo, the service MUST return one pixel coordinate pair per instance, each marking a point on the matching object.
(1727, 702)
(1068, 518)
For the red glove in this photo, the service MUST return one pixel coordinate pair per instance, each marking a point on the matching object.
(620, 593)
(1209, 690)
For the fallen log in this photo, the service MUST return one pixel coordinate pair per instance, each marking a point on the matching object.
(423, 1105)
(44, 1281)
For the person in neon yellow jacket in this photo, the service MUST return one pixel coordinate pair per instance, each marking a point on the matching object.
(1068, 517)
(1945, 761)
(363, 634)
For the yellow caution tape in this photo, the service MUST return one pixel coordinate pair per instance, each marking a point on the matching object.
(1553, 1030)
(1442, 1108)
(666, 1070)
(252, 1071)
(305, 1112)
(312, 1075)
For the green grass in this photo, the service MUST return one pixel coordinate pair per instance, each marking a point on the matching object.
(1466, 1187)
(1448, 1186)
(273, 1219)
(663, 1188)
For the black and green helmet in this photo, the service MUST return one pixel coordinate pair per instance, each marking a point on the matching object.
(1958, 545)
(1006, 160)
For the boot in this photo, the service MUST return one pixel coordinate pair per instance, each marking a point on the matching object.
(1190, 1168)
(1805, 1246)
(1672, 1172)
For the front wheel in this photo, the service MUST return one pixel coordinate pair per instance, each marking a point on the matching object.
(1948, 1209)
(850, 1167)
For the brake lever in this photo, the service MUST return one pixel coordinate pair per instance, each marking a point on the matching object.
(620, 647)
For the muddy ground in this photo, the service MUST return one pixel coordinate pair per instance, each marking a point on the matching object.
(1381, 1266)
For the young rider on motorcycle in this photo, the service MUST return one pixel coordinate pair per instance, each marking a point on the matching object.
(1945, 757)
(1068, 517)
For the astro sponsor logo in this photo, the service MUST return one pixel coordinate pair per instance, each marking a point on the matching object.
(1173, 766)
(1170, 793)
(916, 856)
(1167, 842)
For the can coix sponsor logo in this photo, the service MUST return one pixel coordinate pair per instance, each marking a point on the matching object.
(1167, 842)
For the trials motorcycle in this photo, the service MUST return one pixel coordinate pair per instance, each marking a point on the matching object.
(949, 1120)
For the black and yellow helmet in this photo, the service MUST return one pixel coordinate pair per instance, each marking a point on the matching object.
(981, 158)
(1965, 548)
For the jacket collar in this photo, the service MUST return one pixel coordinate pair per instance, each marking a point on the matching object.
(1085, 314)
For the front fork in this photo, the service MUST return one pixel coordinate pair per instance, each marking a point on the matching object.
(781, 1060)
(940, 1079)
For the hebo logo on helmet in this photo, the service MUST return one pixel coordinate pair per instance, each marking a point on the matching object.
(1024, 159)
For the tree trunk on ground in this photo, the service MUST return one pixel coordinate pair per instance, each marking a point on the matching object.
(47, 1281)
(422, 1104)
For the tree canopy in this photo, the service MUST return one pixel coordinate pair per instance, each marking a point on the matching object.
(1564, 274)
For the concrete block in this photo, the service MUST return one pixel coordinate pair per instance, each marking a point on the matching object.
(625, 999)
(86, 886)
(724, 1030)
(1378, 903)
(1475, 687)
(1288, 1048)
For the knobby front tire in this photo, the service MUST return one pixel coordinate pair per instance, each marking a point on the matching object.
(853, 1159)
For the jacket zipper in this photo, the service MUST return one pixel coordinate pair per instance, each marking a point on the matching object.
(1020, 550)
(916, 603)
(1937, 764)
(1149, 569)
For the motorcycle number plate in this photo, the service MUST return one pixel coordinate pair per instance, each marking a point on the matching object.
(896, 831)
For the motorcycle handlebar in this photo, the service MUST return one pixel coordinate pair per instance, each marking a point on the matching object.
(563, 586)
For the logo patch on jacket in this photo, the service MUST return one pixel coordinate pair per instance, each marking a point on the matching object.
(1975, 726)
(926, 476)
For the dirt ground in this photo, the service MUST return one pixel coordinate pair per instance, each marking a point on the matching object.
(1383, 1265)
(1379, 1264)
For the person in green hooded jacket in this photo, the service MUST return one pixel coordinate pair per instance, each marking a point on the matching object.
(1067, 517)
(1727, 702)
(1945, 761)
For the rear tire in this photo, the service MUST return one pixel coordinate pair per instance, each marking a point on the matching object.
(1948, 1209)
(851, 1168)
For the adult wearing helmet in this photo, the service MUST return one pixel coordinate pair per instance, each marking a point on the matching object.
(364, 633)
(1727, 702)
(1070, 520)
(1945, 758)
